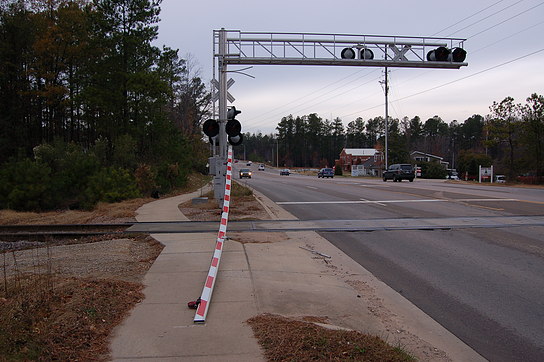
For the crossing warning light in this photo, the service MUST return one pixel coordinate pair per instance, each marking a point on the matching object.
(364, 53)
(233, 127)
(443, 54)
(211, 128)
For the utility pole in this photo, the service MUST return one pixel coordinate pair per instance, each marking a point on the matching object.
(277, 152)
(386, 119)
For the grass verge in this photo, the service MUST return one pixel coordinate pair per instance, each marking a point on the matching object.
(285, 339)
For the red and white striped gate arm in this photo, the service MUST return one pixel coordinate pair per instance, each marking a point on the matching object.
(202, 310)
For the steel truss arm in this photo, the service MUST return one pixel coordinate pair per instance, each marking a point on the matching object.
(325, 49)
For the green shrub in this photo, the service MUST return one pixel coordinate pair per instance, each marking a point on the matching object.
(338, 170)
(145, 179)
(170, 176)
(124, 152)
(25, 186)
(470, 162)
(433, 170)
(71, 168)
(110, 185)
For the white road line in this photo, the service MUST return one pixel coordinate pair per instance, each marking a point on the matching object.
(311, 187)
(374, 202)
(387, 201)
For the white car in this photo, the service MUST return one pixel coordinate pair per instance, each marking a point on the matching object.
(261, 167)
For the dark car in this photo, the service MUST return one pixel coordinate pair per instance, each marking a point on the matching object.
(399, 172)
(285, 172)
(245, 172)
(325, 172)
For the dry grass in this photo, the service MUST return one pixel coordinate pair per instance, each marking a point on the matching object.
(120, 212)
(70, 322)
(285, 339)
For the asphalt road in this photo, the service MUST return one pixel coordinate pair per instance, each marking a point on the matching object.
(485, 284)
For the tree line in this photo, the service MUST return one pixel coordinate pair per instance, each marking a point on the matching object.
(90, 109)
(511, 137)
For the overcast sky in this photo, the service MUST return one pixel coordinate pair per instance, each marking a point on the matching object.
(497, 33)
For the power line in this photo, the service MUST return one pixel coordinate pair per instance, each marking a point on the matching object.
(257, 124)
(508, 37)
(468, 17)
(504, 21)
(453, 81)
(487, 17)
(313, 92)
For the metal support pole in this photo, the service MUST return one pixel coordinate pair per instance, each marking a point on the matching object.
(222, 93)
(386, 120)
(220, 176)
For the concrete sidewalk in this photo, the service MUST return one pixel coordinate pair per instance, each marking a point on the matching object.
(263, 273)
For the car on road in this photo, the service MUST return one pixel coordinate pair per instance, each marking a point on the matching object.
(325, 172)
(261, 167)
(285, 172)
(500, 179)
(399, 172)
(249, 163)
(452, 175)
(245, 172)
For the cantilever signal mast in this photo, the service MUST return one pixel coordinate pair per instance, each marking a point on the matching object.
(264, 48)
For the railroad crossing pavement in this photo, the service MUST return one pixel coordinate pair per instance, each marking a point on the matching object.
(342, 225)
(262, 273)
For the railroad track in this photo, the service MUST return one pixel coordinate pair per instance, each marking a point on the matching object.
(37, 231)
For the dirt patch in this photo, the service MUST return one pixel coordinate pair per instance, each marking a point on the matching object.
(243, 206)
(121, 259)
(258, 237)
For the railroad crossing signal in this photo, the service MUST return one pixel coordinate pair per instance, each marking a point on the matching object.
(233, 128)
(215, 95)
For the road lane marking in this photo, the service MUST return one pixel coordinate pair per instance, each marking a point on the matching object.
(311, 187)
(377, 203)
(388, 201)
